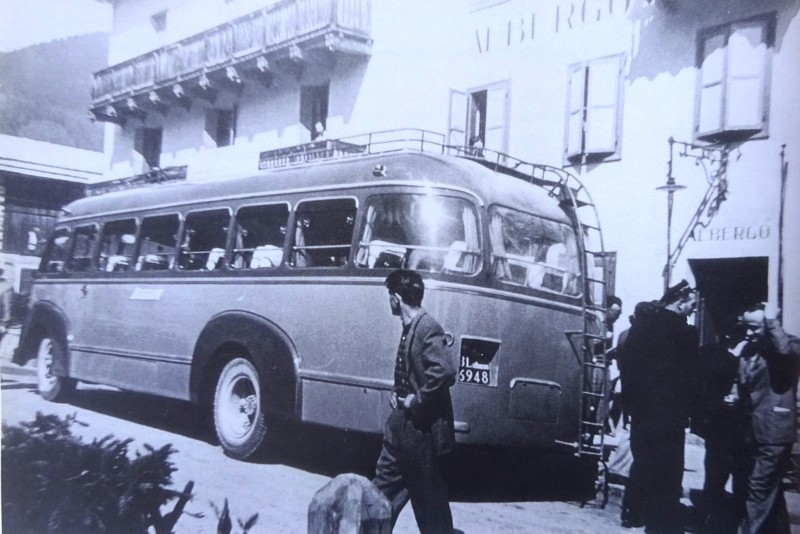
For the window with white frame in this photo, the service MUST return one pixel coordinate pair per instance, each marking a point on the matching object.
(479, 118)
(733, 80)
(594, 109)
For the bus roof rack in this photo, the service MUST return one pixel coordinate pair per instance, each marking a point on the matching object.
(410, 140)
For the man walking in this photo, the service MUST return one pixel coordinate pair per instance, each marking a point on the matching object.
(768, 373)
(659, 354)
(419, 431)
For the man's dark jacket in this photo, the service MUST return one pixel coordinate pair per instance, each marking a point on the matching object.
(659, 356)
(431, 374)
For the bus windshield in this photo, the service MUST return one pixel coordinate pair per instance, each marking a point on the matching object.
(534, 252)
(423, 232)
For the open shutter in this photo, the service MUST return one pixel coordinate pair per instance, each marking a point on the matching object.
(712, 73)
(496, 108)
(602, 102)
(744, 99)
(575, 108)
(457, 129)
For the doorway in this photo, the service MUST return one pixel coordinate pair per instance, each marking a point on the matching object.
(726, 286)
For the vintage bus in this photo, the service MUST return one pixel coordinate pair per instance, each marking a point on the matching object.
(262, 297)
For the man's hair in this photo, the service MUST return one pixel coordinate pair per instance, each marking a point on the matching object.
(408, 285)
(613, 299)
(678, 292)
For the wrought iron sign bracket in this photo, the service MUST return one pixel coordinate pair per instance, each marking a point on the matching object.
(713, 159)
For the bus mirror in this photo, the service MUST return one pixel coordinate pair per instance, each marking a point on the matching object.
(448, 339)
(128, 239)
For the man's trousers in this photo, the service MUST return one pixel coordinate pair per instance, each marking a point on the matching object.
(408, 468)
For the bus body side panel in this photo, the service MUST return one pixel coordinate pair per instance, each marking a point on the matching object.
(534, 394)
(345, 340)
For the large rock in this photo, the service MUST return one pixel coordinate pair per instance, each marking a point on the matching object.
(349, 504)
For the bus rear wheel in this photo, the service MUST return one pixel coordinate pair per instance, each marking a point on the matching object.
(239, 418)
(51, 387)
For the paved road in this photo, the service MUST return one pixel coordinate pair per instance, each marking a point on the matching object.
(492, 492)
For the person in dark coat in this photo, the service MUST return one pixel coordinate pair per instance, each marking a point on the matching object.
(659, 355)
(719, 421)
(419, 431)
(768, 372)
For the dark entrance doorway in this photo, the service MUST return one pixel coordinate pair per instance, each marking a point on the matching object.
(726, 286)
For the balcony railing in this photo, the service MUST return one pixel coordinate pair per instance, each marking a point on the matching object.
(328, 23)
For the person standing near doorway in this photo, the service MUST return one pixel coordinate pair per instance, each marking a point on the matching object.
(419, 431)
(768, 372)
(659, 355)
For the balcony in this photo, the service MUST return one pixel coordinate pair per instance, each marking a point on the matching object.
(281, 39)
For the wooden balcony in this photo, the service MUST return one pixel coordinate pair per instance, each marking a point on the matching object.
(277, 40)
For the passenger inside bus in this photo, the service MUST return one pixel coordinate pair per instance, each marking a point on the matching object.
(420, 232)
(260, 235)
(323, 233)
(534, 252)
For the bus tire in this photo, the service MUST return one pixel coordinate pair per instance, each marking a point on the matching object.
(51, 387)
(239, 418)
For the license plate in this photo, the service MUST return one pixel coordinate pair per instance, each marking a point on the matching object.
(471, 371)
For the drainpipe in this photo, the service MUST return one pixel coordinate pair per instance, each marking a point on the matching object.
(784, 175)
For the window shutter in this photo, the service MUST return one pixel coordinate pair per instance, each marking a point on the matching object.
(744, 99)
(711, 91)
(575, 107)
(601, 106)
(457, 129)
(496, 119)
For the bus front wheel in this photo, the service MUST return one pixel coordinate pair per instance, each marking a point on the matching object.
(51, 387)
(238, 415)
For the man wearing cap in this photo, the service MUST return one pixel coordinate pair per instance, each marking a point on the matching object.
(768, 373)
(419, 431)
(659, 355)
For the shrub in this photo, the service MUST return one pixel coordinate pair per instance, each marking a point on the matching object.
(53, 482)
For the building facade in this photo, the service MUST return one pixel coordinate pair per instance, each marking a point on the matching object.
(696, 99)
(36, 180)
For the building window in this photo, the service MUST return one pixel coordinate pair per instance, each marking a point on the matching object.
(221, 126)
(479, 118)
(148, 145)
(314, 109)
(159, 21)
(594, 99)
(733, 79)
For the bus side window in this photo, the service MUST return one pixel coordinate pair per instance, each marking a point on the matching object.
(424, 232)
(204, 236)
(55, 255)
(323, 232)
(534, 252)
(157, 243)
(83, 244)
(260, 236)
(117, 243)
